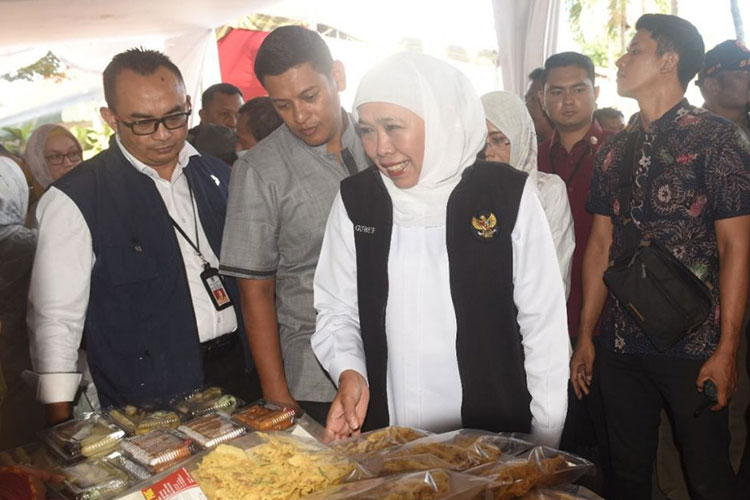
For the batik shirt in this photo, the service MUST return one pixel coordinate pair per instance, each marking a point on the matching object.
(692, 169)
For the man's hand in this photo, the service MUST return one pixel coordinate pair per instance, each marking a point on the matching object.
(56, 413)
(722, 370)
(349, 407)
(582, 366)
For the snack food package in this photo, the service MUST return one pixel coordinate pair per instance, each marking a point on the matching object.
(138, 421)
(456, 450)
(206, 401)
(158, 450)
(372, 442)
(33, 455)
(135, 471)
(540, 467)
(90, 436)
(93, 480)
(434, 484)
(264, 415)
(270, 466)
(211, 430)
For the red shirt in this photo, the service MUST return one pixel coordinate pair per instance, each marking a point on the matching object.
(576, 169)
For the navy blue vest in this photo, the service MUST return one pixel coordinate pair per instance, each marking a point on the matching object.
(140, 331)
(488, 343)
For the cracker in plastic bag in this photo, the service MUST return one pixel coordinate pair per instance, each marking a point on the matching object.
(274, 466)
(90, 436)
(435, 484)
(158, 450)
(93, 480)
(211, 430)
(456, 450)
(139, 421)
(379, 440)
(207, 401)
(266, 416)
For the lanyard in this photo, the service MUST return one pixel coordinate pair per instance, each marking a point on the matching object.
(575, 169)
(195, 245)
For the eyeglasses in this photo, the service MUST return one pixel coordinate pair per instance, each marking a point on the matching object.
(151, 125)
(58, 158)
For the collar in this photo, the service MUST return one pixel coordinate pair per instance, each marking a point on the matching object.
(594, 136)
(183, 159)
(665, 121)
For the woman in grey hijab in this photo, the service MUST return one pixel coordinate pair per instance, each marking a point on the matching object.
(20, 414)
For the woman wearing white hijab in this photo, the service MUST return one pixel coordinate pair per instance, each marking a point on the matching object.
(511, 139)
(426, 260)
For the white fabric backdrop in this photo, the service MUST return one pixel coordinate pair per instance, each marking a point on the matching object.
(527, 33)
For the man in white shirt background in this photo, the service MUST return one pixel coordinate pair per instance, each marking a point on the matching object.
(127, 257)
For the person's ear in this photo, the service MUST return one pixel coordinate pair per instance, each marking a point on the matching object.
(189, 103)
(202, 114)
(540, 98)
(339, 75)
(670, 63)
(108, 116)
(596, 93)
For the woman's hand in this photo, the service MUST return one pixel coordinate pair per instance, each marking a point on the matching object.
(349, 407)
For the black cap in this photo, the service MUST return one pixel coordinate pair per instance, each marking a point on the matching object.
(729, 55)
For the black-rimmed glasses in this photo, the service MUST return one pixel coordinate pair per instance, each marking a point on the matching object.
(151, 125)
(59, 158)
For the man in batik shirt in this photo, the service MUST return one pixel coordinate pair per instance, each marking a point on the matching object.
(691, 193)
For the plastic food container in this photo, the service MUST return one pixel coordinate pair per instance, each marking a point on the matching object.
(211, 430)
(158, 450)
(93, 480)
(137, 421)
(265, 416)
(204, 402)
(91, 436)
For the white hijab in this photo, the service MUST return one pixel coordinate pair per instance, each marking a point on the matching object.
(508, 113)
(455, 130)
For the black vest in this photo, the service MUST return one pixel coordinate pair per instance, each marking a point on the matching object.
(140, 331)
(488, 342)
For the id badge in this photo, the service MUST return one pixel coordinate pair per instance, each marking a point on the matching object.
(215, 287)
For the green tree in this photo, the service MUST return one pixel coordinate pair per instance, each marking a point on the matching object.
(48, 66)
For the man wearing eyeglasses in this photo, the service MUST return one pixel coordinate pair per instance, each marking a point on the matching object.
(127, 257)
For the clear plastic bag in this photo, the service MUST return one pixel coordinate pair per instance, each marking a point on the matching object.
(33, 455)
(372, 442)
(427, 485)
(158, 450)
(211, 430)
(540, 467)
(270, 466)
(209, 400)
(570, 492)
(138, 421)
(457, 450)
(90, 436)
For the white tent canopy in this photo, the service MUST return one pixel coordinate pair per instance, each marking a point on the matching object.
(86, 33)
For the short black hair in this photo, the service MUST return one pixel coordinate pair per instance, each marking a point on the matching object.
(608, 113)
(218, 88)
(141, 61)
(564, 59)
(536, 74)
(261, 117)
(290, 46)
(674, 34)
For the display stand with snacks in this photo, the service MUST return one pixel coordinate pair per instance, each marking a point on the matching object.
(212, 446)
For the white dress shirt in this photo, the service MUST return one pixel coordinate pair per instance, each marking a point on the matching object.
(423, 383)
(61, 278)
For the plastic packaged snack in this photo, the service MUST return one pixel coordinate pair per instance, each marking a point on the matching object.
(135, 471)
(93, 480)
(211, 430)
(540, 467)
(137, 421)
(91, 436)
(158, 450)
(270, 466)
(428, 485)
(379, 440)
(266, 416)
(33, 455)
(457, 450)
(570, 492)
(207, 401)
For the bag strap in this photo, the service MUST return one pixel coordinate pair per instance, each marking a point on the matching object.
(632, 236)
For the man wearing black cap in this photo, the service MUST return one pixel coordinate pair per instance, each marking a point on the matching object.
(725, 82)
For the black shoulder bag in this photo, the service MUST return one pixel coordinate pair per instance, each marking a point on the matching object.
(659, 292)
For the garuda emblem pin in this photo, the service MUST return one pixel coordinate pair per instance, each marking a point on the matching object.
(485, 226)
